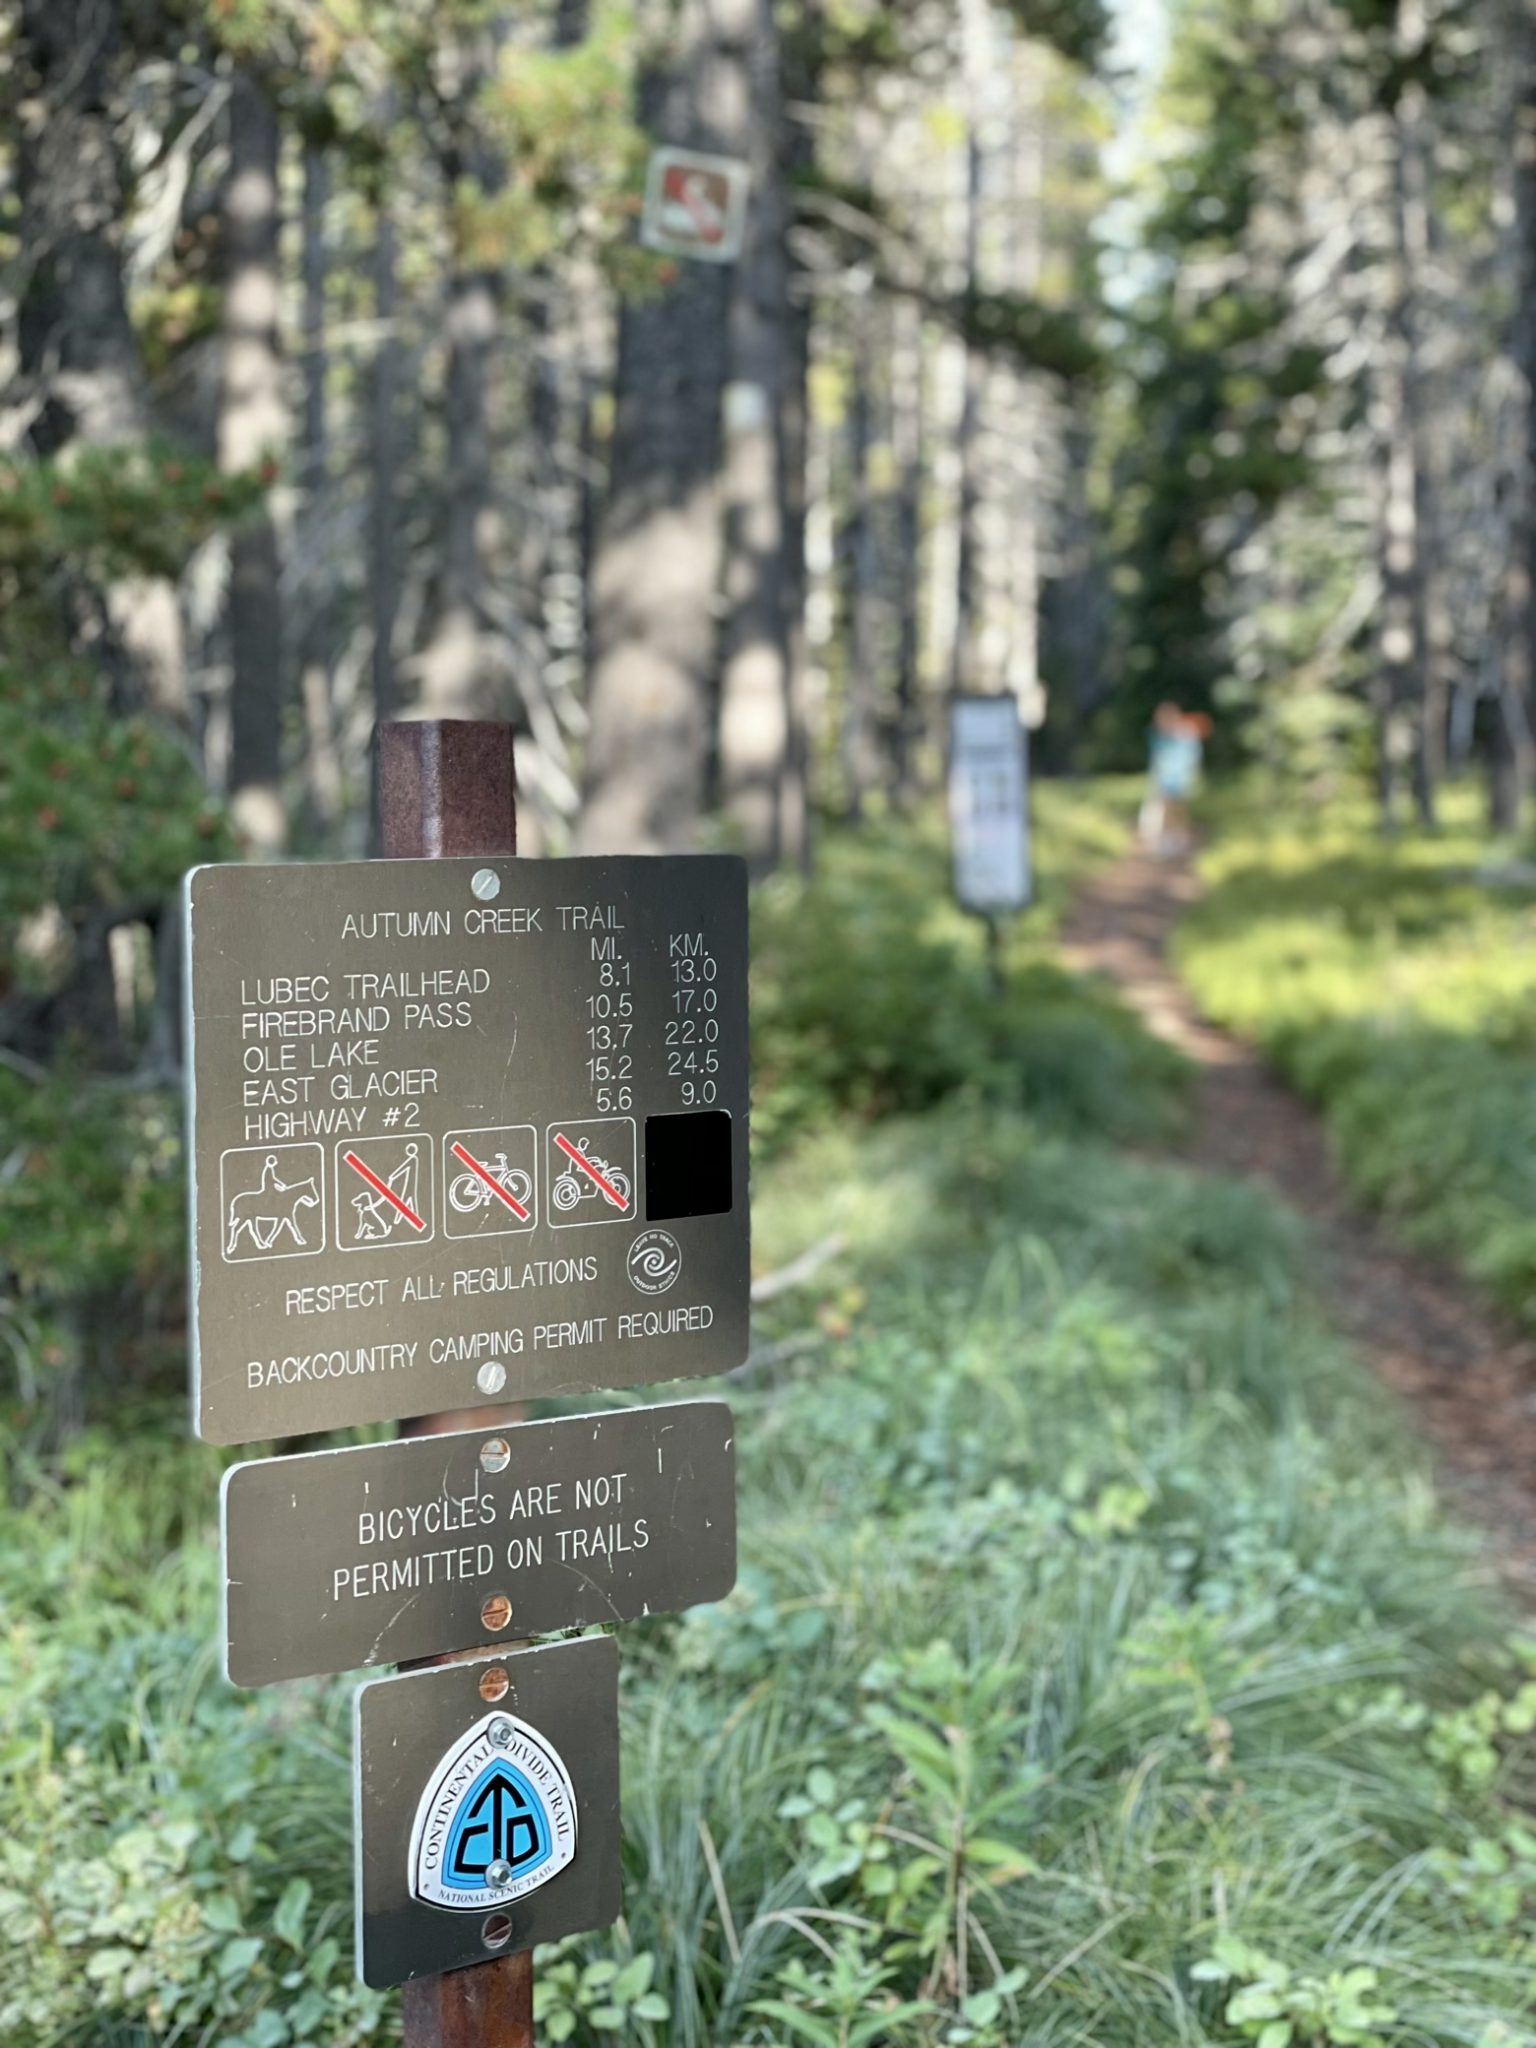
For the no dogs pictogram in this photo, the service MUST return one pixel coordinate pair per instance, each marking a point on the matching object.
(383, 1192)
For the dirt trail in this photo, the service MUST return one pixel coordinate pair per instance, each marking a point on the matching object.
(1469, 1376)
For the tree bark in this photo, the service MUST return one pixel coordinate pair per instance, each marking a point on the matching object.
(754, 679)
(77, 344)
(252, 424)
(909, 450)
(1401, 695)
(802, 89)
(975, 32)
(964, 672)
(866, 705)
(657, 554)
(322, 764)
(79, 358)
(1512, 737)
(458, 680)
(384, 468)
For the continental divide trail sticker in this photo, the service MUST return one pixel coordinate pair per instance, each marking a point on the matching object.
(497, 1820)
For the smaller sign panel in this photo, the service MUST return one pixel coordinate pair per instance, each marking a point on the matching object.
(989, 804)
(388, 1552)
(695, 205)
(487, 1808)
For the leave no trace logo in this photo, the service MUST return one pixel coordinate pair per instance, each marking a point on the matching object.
(655, 1260)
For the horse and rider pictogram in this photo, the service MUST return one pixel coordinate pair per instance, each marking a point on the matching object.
(272, 1202)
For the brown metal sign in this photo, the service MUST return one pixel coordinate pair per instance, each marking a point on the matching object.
(463, 1129)
(487, 1808)
(388, 1552)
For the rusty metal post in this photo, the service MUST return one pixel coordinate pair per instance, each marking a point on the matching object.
(446, 787)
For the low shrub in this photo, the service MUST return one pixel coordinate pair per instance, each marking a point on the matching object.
(1394, 981)
(1100, 1668)
(873, 993)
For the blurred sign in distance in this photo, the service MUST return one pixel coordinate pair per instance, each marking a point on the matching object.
(695, 205)
(487, 1808)
(989, 804)
(382, 1553)
(439, 1110)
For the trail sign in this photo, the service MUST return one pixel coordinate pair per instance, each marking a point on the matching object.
(695, 205)
(487, 1808)
(989, 804)
(462, 1128)
(388, 1552)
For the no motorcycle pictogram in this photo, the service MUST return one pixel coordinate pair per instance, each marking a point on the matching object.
(591, 1170)
(695, 205)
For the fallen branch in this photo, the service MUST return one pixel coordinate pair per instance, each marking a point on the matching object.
(769, 1286)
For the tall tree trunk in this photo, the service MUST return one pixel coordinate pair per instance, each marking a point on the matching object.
(1512, 739)
(458, 680)
(1400, 684)
(77, 346)
(322, 764)
(462, 668)
(78, 355)
(252, 423)
(754, 677)
(861, 567)
(802, 88)
(1025, 484)
(968, 446)
(976, 37)
(1413, 249)
(656, 558)
(384, 466)
(908, 448)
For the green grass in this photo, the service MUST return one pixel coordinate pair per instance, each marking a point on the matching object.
(1396, 985)
(1101, 1668)
(872, 994)
(1092, 1609)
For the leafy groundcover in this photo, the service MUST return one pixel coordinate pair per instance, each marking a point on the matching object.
(1101, 1669)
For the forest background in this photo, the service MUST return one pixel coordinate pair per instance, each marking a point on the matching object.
(1095, 358)
(1093, 354)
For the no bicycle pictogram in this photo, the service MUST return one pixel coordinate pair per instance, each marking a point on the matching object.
(490, 1180)
(495, 1183)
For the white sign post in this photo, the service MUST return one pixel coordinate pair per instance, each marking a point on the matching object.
(989, 805)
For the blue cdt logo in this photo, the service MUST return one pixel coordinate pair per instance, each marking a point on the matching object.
(497, 1819)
